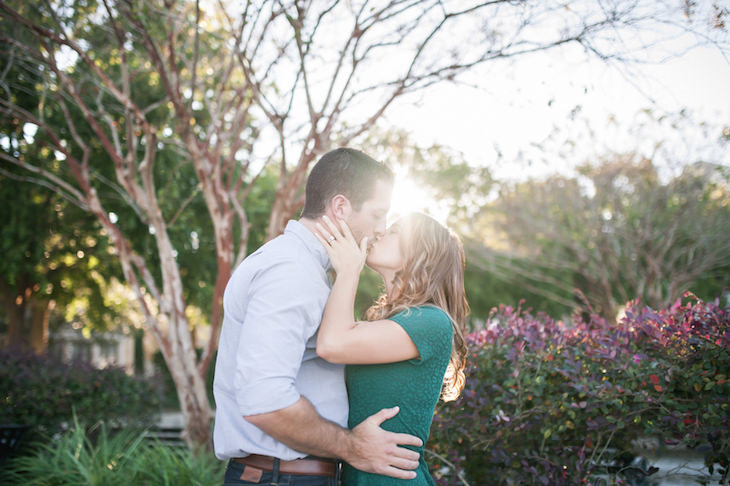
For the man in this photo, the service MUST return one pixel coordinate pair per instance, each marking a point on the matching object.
(280, 409)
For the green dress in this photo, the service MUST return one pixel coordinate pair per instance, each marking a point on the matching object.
(413, 385)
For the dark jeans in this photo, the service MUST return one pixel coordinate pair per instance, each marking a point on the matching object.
(235, 470)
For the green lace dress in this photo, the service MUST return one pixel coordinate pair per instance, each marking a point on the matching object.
(413, 385)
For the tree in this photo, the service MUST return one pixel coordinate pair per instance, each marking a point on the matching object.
(42, 266)
(168, 108)
(617, 232)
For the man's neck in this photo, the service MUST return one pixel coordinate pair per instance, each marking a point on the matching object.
(309, 223)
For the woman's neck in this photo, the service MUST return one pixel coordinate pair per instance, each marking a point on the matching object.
(388, 279)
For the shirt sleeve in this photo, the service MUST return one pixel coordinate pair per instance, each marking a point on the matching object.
(282, 315)
(430, 330)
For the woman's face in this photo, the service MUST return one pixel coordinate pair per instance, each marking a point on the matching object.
(387, 254)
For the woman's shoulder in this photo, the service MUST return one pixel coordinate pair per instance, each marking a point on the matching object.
(429, 313)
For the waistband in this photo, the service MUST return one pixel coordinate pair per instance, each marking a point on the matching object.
(308, 466)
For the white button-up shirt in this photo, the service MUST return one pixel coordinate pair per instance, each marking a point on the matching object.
(267, 356)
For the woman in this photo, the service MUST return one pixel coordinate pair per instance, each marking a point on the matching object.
(411, 350)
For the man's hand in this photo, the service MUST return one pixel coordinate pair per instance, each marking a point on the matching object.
(378, 451)
(366, 447)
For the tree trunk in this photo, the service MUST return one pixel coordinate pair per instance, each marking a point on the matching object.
(288, 200)
(28, 318)
(277, 220)
(192, 396)
(39, 311)
(14, 311)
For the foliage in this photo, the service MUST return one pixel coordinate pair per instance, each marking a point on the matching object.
(52, 250)
(616, 230)
(560, 402)
(99, 457)
(166, 466)
(42, 263)
(486, 288)
(44, 392)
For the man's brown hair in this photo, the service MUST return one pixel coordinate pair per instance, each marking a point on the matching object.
(343, 171)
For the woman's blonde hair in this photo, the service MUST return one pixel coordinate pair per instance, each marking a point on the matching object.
(433, 274)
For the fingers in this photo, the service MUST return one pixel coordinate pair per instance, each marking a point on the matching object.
(340, 230)
(400, 439)
(405, 464)
(333, 229)
(322, 236)
(325, 237)
(383, 415)
(364, 245)
(406, 439)
(382, 452)
(345, 229)
(332, 233)
(398, 473)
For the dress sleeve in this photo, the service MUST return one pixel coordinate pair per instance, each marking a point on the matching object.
(430, 330)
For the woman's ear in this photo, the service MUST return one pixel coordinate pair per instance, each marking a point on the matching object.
(341, 207)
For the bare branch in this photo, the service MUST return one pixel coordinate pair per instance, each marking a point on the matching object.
(42, 181)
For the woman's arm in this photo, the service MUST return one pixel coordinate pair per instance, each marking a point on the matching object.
(340, 338)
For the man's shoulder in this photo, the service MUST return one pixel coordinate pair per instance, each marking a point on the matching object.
(284, 251)
(283, 245)
(273, 266)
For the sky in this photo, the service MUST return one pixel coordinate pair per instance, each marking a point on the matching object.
(508, 111)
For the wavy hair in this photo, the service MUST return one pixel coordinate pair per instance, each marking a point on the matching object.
(433, 274)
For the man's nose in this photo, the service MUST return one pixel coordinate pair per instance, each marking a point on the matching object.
(379, 231)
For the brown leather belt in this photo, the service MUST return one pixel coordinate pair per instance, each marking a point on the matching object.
(302, 467)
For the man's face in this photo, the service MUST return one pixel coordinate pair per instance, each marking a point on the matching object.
(370, 220)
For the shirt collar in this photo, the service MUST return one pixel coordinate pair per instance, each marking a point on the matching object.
(310, 241)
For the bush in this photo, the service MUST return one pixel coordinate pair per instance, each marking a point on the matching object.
(101, 458)
(550, 403)
(43, 392)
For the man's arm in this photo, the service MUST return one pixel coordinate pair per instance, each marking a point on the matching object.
(366, 447)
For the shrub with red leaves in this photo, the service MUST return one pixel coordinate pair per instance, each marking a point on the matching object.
(554, 403)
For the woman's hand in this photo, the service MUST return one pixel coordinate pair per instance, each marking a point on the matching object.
(344, 252)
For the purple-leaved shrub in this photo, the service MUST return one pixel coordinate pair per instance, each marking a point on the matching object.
(554, 403)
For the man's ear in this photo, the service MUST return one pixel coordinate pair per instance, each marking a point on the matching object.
(341, 207)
